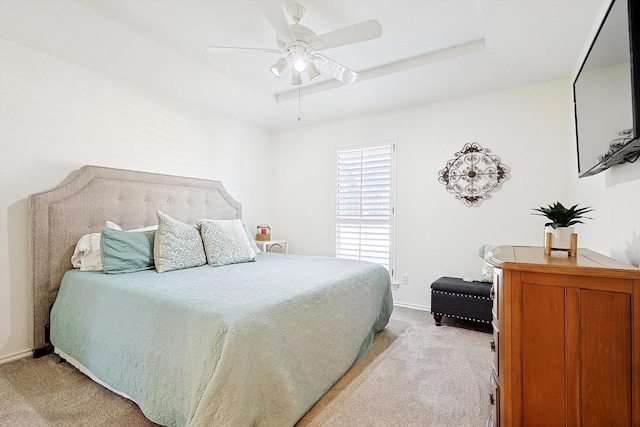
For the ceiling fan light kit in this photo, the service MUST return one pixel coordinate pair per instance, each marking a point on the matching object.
(299, 57)
(299, 65)
(296, 78)
(298, 45)
(312, 71)
(278, 68)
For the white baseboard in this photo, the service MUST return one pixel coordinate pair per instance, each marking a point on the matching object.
(16, 356)
(412, 306)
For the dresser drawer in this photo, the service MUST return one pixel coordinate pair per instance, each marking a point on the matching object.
(495, 350)
(494, 398)
(494, 293)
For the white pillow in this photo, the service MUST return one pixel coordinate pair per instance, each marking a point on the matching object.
(486, 251)
(114, 226)
(87, 256)
(225, 242)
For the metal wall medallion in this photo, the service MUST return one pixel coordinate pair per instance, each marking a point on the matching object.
(473, 174)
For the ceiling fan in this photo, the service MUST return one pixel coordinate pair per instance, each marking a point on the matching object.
(298, 46)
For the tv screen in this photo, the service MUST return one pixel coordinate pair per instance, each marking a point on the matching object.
(605, 95)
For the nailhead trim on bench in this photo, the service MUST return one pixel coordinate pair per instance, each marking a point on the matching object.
(464, 296)
(461, 317)
(460, 295)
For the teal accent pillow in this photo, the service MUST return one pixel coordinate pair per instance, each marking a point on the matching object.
(126, 251)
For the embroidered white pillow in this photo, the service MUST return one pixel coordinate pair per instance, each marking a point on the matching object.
(225, 242)
(177, 245)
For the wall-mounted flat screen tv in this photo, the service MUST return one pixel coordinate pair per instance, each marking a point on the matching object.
(606, 93)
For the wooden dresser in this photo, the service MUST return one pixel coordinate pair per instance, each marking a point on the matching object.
(565, 340)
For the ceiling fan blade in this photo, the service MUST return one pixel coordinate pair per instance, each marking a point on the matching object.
(231, 49)
(355, 33)
(337, 71)
(278, 20)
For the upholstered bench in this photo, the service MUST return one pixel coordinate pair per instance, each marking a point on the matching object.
(452, 297)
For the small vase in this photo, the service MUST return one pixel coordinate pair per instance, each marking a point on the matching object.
(561, 236)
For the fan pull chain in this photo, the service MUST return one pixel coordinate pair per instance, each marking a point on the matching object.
(299, 118)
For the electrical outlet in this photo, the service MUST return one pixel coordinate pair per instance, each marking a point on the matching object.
(405, 279)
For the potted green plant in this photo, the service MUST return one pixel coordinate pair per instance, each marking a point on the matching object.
(561, 222)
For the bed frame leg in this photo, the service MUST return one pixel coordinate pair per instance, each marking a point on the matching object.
(40, 352)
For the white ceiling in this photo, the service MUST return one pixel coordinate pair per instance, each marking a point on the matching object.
(430, 50)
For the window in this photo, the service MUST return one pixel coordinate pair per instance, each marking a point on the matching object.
(365, 203)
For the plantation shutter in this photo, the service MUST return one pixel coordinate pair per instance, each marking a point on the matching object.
(364, 206)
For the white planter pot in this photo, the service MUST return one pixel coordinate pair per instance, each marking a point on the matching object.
(561, 237)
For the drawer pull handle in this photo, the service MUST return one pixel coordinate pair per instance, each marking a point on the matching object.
(493, 345)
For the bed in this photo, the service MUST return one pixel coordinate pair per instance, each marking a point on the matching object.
(245, 344)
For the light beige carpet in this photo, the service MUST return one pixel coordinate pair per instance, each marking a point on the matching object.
(416, 374)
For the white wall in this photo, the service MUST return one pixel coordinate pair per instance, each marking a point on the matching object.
(615, 229)
(56, 117)
(529, 128)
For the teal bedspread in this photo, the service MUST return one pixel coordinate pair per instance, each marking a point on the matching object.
(253, 344)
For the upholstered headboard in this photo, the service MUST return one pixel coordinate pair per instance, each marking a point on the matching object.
(88, 198)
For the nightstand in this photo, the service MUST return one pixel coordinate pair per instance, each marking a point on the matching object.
(267, 245)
